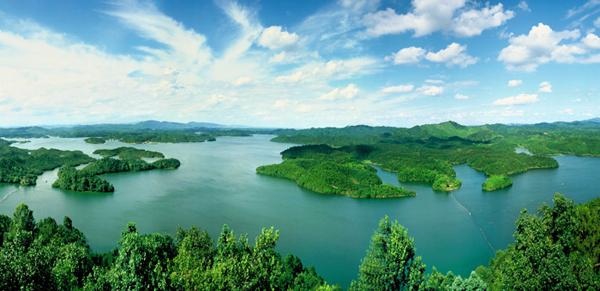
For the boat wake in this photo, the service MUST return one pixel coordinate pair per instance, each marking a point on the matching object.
(485, 238)
(8, 195)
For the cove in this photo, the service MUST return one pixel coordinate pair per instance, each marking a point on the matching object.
(216, 184)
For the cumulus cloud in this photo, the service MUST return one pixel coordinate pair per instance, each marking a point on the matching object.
(545, 87)
(459, 96)
(591, 41)
(405, 88)
(429, 16)
(347, 92)
(453, 55)
(409, 55)
(517, 100)
(543, 45)
(514, 83)
(431, 90)
(274, 37)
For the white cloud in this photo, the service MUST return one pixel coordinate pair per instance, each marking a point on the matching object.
(409, 55)
(431, 90)
(405, 88)
(545, 87)
(334, 69)
(514, 83)
(429, 16)
(592, 41)
(542, 45)
(472, 22)
(347, 92)
(517, 100)
(278, 58)
(243, 81)
(523, 6)
(459, 96)
(184, 44)
(453, 55)
(275, 37)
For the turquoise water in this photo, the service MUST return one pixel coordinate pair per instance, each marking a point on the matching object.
(217, 185)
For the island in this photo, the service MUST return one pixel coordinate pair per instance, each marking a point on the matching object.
(496, 182)
(88, 180)
(127, 153)
(319, 169)
(22, 166)
(95, 140)
(428, 153)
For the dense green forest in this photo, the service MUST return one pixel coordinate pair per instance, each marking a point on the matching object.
(95, 140)
(427, 153)
(557, 249)
(87, 180)
(126, 153)
(22, 166)
(326, 170)
(496, 182)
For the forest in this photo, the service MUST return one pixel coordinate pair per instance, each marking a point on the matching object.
(322, 169)
(427, 153)
(88, 180)
(556, 249)
(20, 166)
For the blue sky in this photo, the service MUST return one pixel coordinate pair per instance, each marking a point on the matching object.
(299, 63)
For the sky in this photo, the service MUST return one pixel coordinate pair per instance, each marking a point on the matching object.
(308, 63)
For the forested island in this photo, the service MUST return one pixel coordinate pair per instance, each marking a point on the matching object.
(87, 180)
(496, 182)
(557, 249)
(326, 170)
(427, 153)
(95, 140)
(21, 166)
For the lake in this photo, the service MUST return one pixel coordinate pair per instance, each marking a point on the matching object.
(217, 184)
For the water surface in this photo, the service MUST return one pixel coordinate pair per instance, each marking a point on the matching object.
(216, 184)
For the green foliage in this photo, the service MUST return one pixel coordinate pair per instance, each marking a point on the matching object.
(128, 153)
(496, 182)
(357, 180)
(22, 166)
(87, 180)
(391, 262)
(48, 256)
(427, 153)
(446, 183)
(71, 179)
(95, 140)
(558, 250)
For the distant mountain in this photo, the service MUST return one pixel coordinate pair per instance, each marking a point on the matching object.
(168, 125)
(593, 120)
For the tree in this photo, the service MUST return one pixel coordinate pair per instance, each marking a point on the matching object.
(142, 262)
(391, 262)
